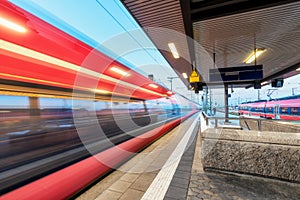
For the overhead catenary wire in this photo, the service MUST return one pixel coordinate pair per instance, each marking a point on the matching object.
(127, 31)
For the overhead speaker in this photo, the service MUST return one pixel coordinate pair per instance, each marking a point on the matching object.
(277, 83)
(200, 86)
(257, 85)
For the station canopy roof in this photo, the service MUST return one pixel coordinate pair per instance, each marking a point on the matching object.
(224, 33)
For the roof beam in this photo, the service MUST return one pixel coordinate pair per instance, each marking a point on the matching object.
(188, 26)
(218, 8)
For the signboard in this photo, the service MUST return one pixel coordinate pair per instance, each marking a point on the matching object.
(241, 73)
(194, 77)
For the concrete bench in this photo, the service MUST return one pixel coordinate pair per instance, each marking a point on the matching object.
(268, 154)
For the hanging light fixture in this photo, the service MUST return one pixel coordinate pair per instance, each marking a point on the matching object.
(254, 55)
(173, 50)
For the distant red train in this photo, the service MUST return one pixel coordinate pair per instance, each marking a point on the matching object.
(287, 108)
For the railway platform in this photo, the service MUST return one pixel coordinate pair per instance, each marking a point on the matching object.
(172, 168)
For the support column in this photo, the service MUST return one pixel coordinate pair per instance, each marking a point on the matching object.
(205, 100)
(226, 102)
(210, 102)
(145, 106)
(34, 107)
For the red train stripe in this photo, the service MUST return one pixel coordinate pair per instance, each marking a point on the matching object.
(23, 57)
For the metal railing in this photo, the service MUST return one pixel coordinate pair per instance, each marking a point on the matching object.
(259, 121)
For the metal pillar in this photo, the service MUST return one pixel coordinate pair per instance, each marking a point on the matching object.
(226, 102)
(171, 81)
(145, 106)
(210, 102)
(206, 100)
(34, 107)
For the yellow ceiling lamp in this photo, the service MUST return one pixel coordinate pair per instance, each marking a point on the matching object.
(184, 75)
(173, 49)
(264, 83)
(253, 56)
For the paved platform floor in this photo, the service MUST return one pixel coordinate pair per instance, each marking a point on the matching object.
(170, 168)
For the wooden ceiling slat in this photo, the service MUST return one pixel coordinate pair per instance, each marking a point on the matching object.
(160, 19)
(167, 15)
(160, 9)
(150, 5)
(276, 29)
(162, 23)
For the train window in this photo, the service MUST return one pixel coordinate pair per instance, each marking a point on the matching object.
(243, 108)
(294, 110)
(257, 109)
(269, 110)
(284, 110)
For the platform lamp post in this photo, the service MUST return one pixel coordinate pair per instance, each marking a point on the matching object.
(171, 81)
(293, 91)
(226, 102)
(34, 107)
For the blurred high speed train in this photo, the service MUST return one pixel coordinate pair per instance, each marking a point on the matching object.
(65, 100)
(50, 133)
(287, 108)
